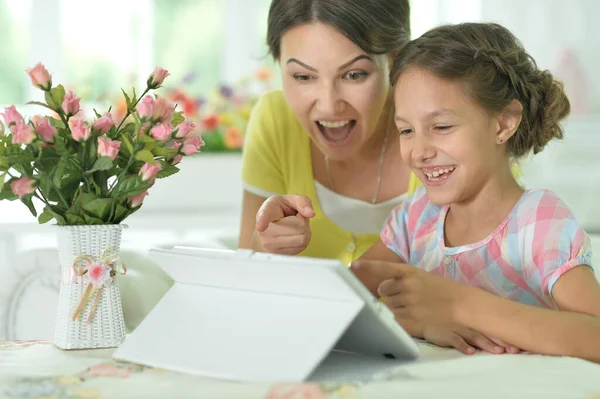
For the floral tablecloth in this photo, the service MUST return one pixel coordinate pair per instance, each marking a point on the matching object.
(38, 369)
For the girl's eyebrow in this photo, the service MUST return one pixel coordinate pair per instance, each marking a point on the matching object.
(431, 115)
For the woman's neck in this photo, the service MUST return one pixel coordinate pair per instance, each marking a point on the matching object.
(474, 219)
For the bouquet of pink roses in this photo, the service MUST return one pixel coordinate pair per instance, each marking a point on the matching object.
(91, 172)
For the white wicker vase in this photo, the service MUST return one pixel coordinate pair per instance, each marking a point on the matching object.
(106, 327)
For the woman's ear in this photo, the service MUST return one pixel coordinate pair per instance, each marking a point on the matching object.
(509, 121)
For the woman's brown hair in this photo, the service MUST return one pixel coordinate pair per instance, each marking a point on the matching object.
(495, 69)
(376, 26)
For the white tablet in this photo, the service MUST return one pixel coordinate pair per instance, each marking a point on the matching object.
(260, 317)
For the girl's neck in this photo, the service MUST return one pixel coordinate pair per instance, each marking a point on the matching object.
(474, 219)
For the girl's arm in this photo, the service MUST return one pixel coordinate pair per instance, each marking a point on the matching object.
(573, 331)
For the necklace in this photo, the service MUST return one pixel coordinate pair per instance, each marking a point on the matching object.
(381, 156)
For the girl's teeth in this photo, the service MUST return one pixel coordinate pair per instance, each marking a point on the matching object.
(333, 124)
(434, 176)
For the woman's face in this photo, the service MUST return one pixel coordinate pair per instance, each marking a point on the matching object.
(335, 89)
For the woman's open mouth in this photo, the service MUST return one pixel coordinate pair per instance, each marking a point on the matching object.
(336, 133)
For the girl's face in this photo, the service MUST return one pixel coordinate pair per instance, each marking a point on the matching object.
(335, 89)
(449, 141)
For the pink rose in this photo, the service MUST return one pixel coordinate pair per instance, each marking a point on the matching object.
(40, 77)
(185, 128)
(149, 172)
(23, 186)
(70, 104)
(108, 148)
(163, 110)
(79, 130)
(99, 274)
(137, 200)
(145, 108)
(104, 124)
(161, 132)
(11, 116)
(24, 134)
(44, 128)
(192, 145)
(157, 77)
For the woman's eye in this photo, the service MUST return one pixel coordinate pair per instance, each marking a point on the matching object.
(301, 77)
(355, 75)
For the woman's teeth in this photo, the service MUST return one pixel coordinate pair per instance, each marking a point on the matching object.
(333, 124)
(439, 172)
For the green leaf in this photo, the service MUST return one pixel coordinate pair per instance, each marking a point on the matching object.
(164, 151)
(177, 118)
(127, 99)
(102, 163)
(99, 208)
(128, 145)
(74, 219)
(92, 152)
(45, 216)
(145, 156)
(97, 114)
(15, 155)
(167, 170)
(58, 217)
(27, 200)
(50, 101)
(8, 194)
(131, 186)
(68, 170)
(58, 95)
(60, 145)
(2, 177)
(57, 123)
(120, 213)
(129, 129)
(92, 220)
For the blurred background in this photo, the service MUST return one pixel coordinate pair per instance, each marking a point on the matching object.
(215, 51)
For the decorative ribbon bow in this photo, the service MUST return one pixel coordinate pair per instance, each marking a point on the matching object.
(99, 274)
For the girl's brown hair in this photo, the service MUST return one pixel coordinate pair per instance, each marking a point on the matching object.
(376, 26)
(496, 70)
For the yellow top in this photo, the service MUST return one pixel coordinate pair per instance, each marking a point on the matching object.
(277, 159)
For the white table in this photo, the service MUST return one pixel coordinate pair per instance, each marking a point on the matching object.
(39, 369)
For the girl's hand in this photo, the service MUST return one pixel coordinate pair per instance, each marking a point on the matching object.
(414, 294)
(464, 339)
(282, 224)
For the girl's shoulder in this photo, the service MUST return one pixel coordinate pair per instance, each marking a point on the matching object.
(543, 204)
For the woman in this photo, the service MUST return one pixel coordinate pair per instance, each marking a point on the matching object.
(325, 149)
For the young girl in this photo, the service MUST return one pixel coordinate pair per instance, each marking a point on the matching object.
(511, 264)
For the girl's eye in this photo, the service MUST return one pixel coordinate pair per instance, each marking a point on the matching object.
(444, 128)
(404, 132)
(300, 77)
(355, 75)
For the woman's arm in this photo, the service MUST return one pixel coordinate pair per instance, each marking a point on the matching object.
(572, 331)
(250, 206)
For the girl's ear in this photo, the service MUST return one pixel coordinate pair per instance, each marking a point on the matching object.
(509, 121)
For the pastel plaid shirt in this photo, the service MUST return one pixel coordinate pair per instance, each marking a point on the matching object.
(521, 259)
